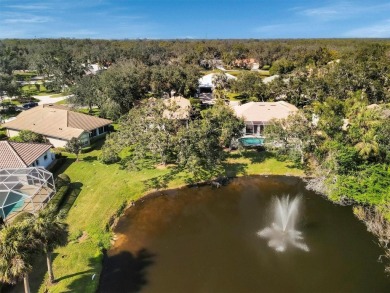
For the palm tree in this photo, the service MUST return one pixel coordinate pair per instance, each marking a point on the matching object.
(16, 249)
(50, 230)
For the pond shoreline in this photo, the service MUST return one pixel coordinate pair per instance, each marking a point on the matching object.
(174, 194)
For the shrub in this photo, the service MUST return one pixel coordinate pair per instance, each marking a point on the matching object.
(62, 180)
(28, 136)
(63, 184)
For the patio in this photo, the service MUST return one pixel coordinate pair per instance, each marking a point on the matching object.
(24, 189)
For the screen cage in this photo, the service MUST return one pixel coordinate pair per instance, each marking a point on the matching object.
(24, 189)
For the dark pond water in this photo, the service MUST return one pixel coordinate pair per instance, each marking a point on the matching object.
(204, 240)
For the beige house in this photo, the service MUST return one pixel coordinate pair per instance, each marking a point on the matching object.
(58, 124)
(25, 154)
(258, 114)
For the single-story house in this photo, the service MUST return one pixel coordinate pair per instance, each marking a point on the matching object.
(58, 124)
(25, 154)
(258, 114)
(178, 108)
(206, 82)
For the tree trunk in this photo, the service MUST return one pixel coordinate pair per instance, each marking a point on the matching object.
(26, 284)
(49, 267)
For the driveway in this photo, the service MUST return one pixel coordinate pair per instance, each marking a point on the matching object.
(49, 100)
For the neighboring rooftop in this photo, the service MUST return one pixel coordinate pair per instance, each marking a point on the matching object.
(20, 154)
(56, 121)
(207, 80)
(264, 111)
(179, 108)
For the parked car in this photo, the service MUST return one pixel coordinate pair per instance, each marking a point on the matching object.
(30, 105)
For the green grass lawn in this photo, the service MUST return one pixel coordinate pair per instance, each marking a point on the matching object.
(34, 89)
(99, 193)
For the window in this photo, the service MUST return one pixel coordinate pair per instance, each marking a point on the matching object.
(45, 157)
(93, 133)
(101, 130)
(37, 162)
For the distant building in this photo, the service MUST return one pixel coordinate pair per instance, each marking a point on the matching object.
(58, 124)
(25, 154)
(206, 86)
(257, 115)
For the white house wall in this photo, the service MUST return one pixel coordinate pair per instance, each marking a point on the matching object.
(56, 142)
(44, 162)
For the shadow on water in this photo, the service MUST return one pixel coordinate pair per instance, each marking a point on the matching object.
(125, 272)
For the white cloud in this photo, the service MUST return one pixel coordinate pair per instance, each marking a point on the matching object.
(28, 7)
(27, 19)
(379, 30)
(341, 10)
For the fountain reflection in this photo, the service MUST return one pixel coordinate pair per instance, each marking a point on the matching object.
(282, 231)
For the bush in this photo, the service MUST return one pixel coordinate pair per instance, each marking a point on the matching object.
(63, 184)
(57, 164)
(28, 136)
(21, 217)
(62, 180)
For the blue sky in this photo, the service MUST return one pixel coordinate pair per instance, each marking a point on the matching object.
(164, 19)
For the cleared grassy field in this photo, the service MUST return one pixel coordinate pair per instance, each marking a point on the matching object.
(100, 193)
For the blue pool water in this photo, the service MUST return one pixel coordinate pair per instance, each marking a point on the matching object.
(251, 141)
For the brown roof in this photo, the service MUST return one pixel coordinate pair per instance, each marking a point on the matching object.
(55, 121)
(264, 111)
(20, 154)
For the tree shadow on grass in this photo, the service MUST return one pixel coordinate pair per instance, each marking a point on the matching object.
(256, 156)
(36, 277)
(74, 275)
(71, 196)
(89, 158)
(161, 181)
(65, 165)
(125, 272)
(235, 169)
(84, 281)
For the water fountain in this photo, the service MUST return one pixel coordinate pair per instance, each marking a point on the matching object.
(282, 231)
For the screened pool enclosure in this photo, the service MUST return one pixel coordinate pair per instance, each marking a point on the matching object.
(24, 189)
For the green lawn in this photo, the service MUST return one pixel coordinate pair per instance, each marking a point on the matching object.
(99, 192)
(34, 88)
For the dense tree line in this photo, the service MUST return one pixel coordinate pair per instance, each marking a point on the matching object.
(341, 134)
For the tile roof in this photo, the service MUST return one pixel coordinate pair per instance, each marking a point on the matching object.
(20, 154)
(55, 121)
(264, 111)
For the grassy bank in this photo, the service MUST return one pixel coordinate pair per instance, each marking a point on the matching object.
(99, 193)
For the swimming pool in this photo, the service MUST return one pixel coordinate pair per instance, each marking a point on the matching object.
(251, 141)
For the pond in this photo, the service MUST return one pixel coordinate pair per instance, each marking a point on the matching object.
(205, 240)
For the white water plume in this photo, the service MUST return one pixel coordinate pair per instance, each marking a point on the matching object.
(282, 231)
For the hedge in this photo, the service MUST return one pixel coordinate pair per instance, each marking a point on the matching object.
(63, 185)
